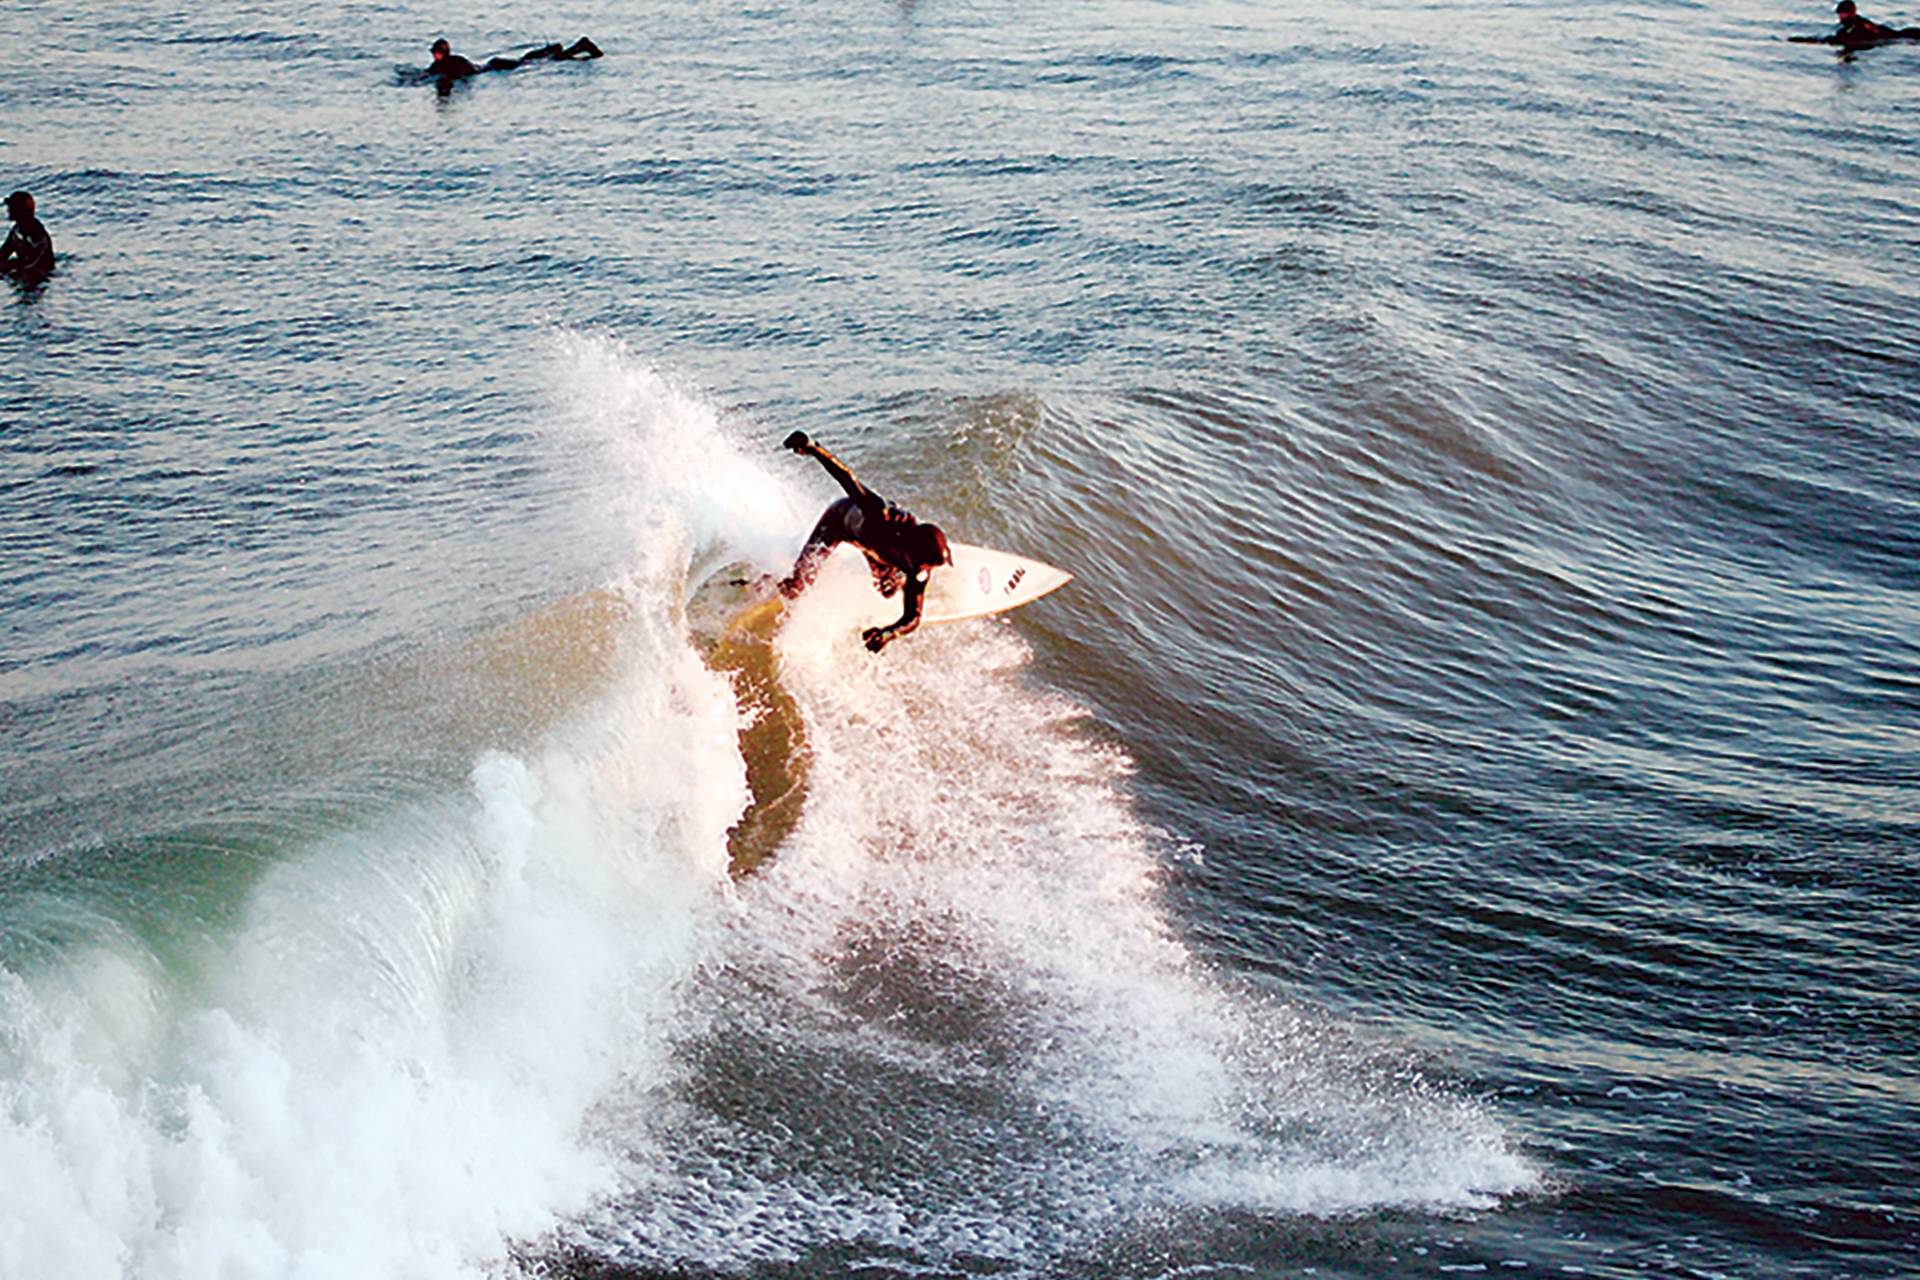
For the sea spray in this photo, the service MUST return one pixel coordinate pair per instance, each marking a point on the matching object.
(387, 1063)
(659, 461)
(390, 1065)
(954, 1021)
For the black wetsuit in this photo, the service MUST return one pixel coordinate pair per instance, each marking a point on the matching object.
(896, 545)
(454, 67)
(28, 251)
(1857, 32)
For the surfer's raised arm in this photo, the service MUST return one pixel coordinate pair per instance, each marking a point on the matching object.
(842, 474)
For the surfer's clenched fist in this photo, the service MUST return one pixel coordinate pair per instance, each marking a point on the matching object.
(797, 442)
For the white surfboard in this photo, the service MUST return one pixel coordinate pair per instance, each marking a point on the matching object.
(981, 581)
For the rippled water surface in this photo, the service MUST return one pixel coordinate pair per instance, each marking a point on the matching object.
(1462, 818)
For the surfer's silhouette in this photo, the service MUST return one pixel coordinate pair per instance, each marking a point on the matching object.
(449, 67)
(27, 255)
(901, 551)
(1856, 32)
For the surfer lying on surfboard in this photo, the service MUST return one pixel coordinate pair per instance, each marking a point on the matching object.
(1857, 32)
(448, 65)
(901, 551)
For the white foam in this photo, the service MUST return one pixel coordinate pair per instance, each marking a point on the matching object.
(966, 947)
(390, 1070)
(663, 465)
(390, 1066)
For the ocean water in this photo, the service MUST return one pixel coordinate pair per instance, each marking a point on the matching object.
(1463, 818)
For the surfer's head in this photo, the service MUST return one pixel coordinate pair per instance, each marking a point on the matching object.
(440, 49)
(1845, 8)
(930, 545)
(19, 205)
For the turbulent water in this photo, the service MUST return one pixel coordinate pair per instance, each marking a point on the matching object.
(1463, 817)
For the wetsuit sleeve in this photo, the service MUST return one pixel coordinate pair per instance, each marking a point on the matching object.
(913, 600)
(843, 476)
(807, 566)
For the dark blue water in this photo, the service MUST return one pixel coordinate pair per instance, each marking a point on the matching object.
(1461, 819)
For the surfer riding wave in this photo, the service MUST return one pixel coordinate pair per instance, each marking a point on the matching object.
(901, 551)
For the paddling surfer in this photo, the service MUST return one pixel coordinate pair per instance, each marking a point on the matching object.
(1856, 32)
(900, 550)
(449, 66)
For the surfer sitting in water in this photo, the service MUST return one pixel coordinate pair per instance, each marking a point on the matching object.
(901, 551)
(27, 255)
(449, 66)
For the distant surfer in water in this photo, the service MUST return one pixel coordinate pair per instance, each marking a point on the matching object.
(449, 66)
(901, 551)
(27, 255)
(1857, 32)
(1855, 29)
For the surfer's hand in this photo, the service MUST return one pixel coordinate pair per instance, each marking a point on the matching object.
(797, 442)
(876, 638)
